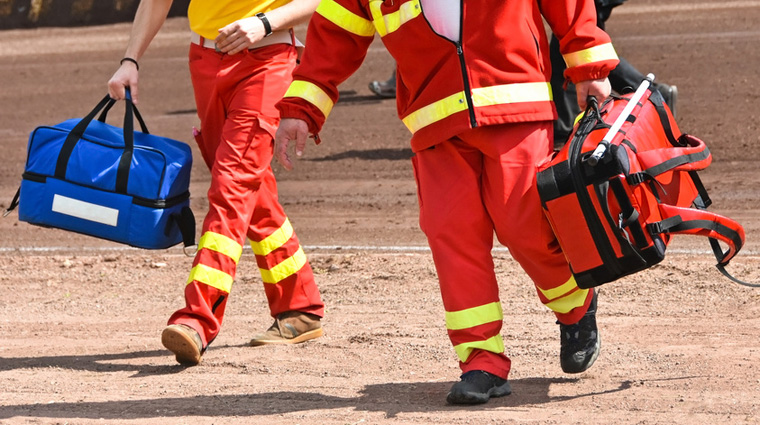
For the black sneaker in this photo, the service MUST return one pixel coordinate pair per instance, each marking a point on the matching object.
(476, 387)
(580, 343)
(384, 89)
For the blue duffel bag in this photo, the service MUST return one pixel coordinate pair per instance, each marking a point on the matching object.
(90, 177)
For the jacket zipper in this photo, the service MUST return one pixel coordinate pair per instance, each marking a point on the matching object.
(460, 54)
(466, 80)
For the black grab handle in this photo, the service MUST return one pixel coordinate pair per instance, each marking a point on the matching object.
(122, 173)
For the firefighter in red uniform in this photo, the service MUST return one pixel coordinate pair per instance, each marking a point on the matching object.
(242, 55)
(473, 89)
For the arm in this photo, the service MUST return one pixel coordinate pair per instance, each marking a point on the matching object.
(339, 34)
(586, 49)
(149, 18)
(241, 34)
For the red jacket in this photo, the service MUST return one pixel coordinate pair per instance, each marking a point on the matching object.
(498, 73)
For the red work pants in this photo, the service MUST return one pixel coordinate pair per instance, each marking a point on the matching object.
(235, 96)
(469, 187)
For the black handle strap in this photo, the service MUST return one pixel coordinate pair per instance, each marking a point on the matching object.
(722, 267)
(74, 135)
(14, 203)
(104, 115)
(659, 105)
(122, 173)
(185, 220)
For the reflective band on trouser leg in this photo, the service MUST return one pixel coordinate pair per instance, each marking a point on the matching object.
(211, 277)
(565, 297)
(494, 344)
(221, 244)
(285, 269)
(275, 240)
(481, 97)
(472, 318)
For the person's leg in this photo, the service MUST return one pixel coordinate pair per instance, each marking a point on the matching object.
(511, 155)
(242, 150)
(292, 293)
(460, 235)
(188, 335)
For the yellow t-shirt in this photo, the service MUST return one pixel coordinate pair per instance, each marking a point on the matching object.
(207, 17)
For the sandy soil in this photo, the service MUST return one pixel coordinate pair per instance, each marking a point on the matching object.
(80, 318)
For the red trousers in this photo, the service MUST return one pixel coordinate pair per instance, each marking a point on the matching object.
(469, 187)
(235, 97)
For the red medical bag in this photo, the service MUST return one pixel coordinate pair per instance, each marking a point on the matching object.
(624, 185)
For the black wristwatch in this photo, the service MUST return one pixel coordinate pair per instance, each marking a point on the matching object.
(265, 21)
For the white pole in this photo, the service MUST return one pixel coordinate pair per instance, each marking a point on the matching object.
(601, 148)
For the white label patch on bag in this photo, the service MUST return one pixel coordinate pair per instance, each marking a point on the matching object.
(85, 210)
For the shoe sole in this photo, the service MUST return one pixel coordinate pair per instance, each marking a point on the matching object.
(182, 345)
(479, 398)
(316, 333)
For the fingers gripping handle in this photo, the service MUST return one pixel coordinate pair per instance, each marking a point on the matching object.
(604, 144)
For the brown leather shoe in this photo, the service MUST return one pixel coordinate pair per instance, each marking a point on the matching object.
(184, 342)
(291, 327)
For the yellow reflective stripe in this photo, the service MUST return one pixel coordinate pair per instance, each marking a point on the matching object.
(311, 93)
(386, 24)
(273, 241)
(494, 344)
(285, 268)
(511, 93)
(483, 96)
(569, 302)
(345, 19)
(560, 290)
(475, 316)
(221, 244)
(578, 118)
(211, 277)
(593, 54)
(435, 112)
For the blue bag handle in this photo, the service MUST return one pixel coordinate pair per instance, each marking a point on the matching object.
(122, 173)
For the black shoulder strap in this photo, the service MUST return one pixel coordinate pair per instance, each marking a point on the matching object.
(659, 105)
(14, 203)
(722, 267)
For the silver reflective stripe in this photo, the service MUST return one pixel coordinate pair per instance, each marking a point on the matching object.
(85, 210)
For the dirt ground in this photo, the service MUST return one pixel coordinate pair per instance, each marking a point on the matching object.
(80, 318)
